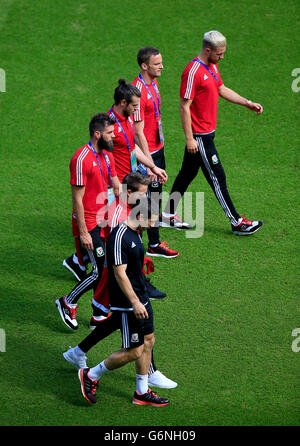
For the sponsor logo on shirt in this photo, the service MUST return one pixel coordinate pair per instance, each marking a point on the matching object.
(133, 245)
(205, 77)
(94, 163)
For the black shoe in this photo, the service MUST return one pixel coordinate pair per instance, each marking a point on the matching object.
(149, 398)
(74, 268)
(153, 292)
(88, 386)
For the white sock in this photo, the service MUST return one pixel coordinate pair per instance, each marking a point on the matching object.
(98, 371)
(141, 384)
(75, 260)
(165, 214)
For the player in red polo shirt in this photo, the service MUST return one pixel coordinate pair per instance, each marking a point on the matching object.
(94, 183)
(149, 132)
(201, 86)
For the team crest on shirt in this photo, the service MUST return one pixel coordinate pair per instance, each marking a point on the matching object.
(100, 251)
(216, 70)
(214, 159)
(107, 158)
(134, 337)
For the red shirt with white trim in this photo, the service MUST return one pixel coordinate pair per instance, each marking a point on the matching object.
(85, 171)
(117, 212)
(199, 85)
(121, 151)
(146, 113)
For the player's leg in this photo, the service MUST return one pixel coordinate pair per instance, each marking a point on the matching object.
(156, 247)
(67, 305)
(188, 171)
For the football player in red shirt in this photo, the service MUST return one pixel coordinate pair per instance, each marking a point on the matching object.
(201, 86)
(93, 182)
(149, 132)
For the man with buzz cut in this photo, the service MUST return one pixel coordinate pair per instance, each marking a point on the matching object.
(130, 306)
(201, 86)
(149, 132)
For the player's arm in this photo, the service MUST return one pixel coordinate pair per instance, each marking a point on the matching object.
(186, 121)
(148, 162)
(116, 185)
(143, 144)
(235, 98)
(77, 197)
(125, 285)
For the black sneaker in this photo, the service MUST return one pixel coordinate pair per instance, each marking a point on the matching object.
(74, 268)
(149, 398)
(67, 313)
(246, 227)
(153, 292)
(88, 386)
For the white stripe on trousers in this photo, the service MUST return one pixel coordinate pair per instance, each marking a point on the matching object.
(215, 181)
(85, 283)
(125, 331)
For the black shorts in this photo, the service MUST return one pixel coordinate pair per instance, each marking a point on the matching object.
(132, 329)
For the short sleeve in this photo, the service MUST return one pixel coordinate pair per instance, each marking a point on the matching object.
(78, 170)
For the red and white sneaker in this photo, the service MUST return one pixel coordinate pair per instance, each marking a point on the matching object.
(175, 222)
(246, 227)
(67, 313)
(162, 250)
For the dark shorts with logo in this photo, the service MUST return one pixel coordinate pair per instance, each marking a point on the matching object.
(132, 329)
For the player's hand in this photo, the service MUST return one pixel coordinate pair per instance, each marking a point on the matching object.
(160, 173)
(151, 175)
(86, 241)
(254, 106)
(140, 311)
(192, 146)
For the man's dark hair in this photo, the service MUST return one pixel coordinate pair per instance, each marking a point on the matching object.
(125, 91)
(144, 206)
(145, 53)
(134, 179)
(99, 122)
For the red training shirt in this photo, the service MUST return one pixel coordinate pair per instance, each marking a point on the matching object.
(121, 151)
(198, 84)
(85, 171)
(146, 113)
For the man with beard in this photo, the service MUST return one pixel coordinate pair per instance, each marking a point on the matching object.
(94, 183)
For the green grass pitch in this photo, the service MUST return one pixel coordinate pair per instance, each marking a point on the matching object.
(224, 332)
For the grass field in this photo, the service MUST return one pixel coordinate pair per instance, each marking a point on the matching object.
(224, 332)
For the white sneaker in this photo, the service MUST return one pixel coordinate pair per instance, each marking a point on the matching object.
(157, 379)
(174, 221)
(78, 361)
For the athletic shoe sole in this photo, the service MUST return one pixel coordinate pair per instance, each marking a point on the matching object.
(144, 403)
(166, 225)
(161, 255)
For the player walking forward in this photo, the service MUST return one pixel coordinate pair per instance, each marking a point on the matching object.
(93, 181)
(201, 86)
(131, 308)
